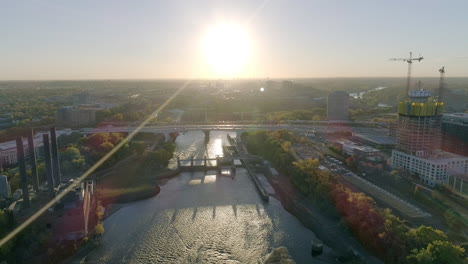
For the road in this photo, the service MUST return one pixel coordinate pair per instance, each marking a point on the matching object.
(378, 193)
(301, 128)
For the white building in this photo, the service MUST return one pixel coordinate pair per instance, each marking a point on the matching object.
(431, 170)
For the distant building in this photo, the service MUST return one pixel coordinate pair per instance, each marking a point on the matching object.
(455, 133)
(75, 116)
(337, 106)
(287, 85)
(84, 98)
(8, 151)
(4, 187)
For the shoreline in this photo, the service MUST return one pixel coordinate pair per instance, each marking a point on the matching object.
(112, 204)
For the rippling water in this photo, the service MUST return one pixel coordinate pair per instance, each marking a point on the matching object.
(202, 218)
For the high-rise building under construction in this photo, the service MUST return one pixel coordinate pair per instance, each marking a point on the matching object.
(418, 148)
(419, 121)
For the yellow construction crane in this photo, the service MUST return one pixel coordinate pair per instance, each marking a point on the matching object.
(410, 63)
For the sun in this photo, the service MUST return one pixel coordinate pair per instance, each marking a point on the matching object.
(227, 49)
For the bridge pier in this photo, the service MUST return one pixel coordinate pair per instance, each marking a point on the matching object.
(170, 136)
(191, 161)
(204, 161)
(166, 137)
(207, 135)
(178, 162)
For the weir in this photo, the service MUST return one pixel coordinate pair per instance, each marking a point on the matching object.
(224, 166)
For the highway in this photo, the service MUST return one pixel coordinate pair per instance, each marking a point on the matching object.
(234, 127)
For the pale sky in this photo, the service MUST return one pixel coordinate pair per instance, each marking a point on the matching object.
(116, 39)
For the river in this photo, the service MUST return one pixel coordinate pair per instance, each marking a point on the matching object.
(202, 218)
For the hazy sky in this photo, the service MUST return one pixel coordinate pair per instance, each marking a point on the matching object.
(99, 39)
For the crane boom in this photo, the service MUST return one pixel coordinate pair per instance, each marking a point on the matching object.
(410, 63)
(441, 84)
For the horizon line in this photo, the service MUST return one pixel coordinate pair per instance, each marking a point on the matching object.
(218, 79)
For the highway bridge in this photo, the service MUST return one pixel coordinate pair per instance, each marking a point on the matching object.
(234, 127)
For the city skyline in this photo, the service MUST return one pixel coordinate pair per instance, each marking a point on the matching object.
(165, 40)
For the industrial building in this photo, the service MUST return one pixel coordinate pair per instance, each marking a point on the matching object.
(351, 148)
(337, 106)
(381, 142)
(455, 133)
(76, 209)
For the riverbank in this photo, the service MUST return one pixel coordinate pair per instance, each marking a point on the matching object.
(328, 229)
(131, 180)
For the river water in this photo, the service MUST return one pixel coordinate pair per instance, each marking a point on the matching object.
(202, 218)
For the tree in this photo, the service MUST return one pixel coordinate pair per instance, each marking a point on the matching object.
(71, 160)
(424, 235)
(64, 140)
(454, 219)
(95, 140)
(438, 252)
(99, 229)
(115, 138)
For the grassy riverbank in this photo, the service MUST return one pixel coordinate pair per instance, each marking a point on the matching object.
(131, 180)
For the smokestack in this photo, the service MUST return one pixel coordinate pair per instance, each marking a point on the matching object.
(55, 158)
(32, 161)
(22, 170)
(48, 163)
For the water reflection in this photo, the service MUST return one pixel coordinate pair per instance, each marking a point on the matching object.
(202, 218)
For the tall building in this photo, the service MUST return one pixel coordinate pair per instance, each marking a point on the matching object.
(455, 133)
(337, 106)
(419, 141)
(419, 124)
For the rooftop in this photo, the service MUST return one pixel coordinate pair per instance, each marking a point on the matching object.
(380, 140)
(456, 118)
(354, 145)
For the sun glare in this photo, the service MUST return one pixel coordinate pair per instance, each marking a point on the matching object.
(227, 49)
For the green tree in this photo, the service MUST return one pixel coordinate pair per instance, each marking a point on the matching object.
(71, 160)
(454, 219)
(438, 252)
(139, 147)
(65, 140)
